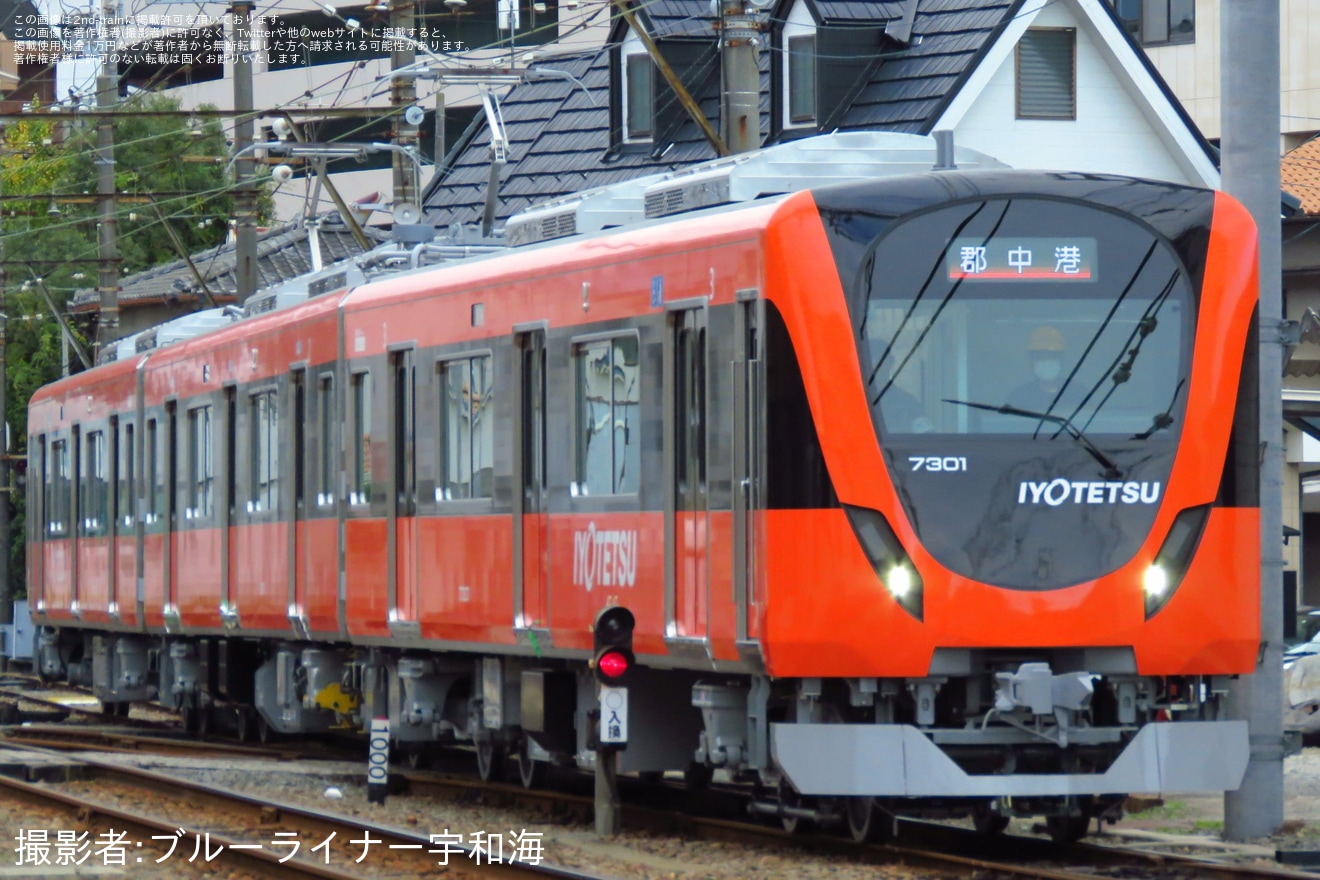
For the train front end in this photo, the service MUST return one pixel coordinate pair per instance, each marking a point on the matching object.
(1041, 570)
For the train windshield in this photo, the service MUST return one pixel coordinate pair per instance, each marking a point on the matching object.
(1027, 363)
(1026, 317)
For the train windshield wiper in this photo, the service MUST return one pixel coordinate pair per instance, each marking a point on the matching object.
(1112, 470)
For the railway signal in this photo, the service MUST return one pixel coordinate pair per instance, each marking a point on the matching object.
(613, 660)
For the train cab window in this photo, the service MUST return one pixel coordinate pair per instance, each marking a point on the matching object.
(328, 431)
(607, 442)
(127, 473)
(201, 464)
(360, 486)
(467, 436)
(93, 491)
(264, 446)
(57, 489)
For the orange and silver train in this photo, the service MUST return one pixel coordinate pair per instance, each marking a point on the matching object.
(918, 491)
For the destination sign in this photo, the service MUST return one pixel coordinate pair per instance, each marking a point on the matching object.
(1022, 259)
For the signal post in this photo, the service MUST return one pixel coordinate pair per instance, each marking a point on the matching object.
(612, 662)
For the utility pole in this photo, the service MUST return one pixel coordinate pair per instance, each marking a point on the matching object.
(403, 92)
(6, 595)
(107, 95)
(245, 245)
(740, 97)
(1249, 53)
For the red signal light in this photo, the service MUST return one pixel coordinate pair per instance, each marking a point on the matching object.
(613, 664)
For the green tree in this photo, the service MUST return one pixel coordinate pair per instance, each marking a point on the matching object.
(48, 241)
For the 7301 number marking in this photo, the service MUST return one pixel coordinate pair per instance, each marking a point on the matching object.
(946, 464)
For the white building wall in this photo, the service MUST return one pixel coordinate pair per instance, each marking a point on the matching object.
(1110, 134)
(1192, 69)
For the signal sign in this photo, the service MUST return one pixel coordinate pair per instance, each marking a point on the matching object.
(614, 716)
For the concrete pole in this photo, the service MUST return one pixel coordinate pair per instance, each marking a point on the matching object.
(403, 93)
(740, 97)
(1249, 53)
(245, 247)
(6, 595)
(107, 95)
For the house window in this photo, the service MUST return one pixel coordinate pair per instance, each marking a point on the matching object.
(264, 434)
(608, 443)
(802, 79)
(1047, 74)
(1157, 22)
(639, 112)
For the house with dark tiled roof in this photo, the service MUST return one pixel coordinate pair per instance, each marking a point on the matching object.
(207, 279)
(1056, 84)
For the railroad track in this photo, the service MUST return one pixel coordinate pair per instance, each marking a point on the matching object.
(920, 845)
(250, 824)
(64, 738)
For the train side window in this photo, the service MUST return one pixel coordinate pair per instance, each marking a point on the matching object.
(467, 435)
(329, 430)
(201, 464)
(93, 491)
(360, 487)
(57, 488)
(607, 436)
(264, 433)
(127, 475)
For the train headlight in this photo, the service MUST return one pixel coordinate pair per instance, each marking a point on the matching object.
(1156, 582)
(887, 556)
(899, 581)
(1166, 573)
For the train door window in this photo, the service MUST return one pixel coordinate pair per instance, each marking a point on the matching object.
(127, 484)
(57, 488)
(231, 450)
(467, 436)
(608, 442)
(201, 464)
(360, 487)
(299, 426)
(264, 431)
(690, 407)
(155, 483)
(93, 488)
(43, 471)
(329, 430)
(405, 439)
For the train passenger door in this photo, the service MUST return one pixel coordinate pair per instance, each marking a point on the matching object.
(529, 506)
(747, 459)
(298, 509)
(687, 598)
(401, 529)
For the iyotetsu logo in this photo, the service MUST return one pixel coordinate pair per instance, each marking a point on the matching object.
(1060, 491)
(604, 557)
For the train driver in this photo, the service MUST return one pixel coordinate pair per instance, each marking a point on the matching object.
(1046, 350)
(901, 412)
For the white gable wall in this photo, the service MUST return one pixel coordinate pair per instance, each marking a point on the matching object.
(1117, 130)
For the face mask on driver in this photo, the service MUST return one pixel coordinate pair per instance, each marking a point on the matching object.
(1047, 370)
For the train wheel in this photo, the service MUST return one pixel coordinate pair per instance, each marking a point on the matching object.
(243, 728)
(490, 760)
(417, 758)
(697, 777)
(790, 798)
(265, 735)
(867, 821)
(531, 773)
(1067, 829)
(988, 822)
